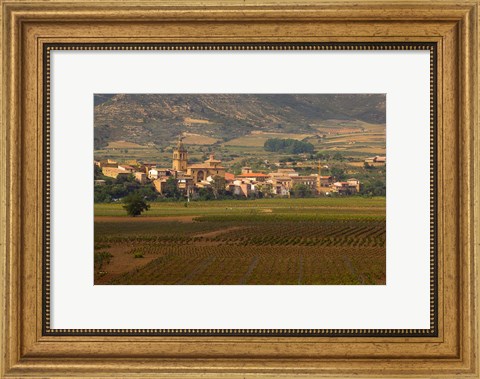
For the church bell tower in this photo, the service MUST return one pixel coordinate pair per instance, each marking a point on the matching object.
(180, 157)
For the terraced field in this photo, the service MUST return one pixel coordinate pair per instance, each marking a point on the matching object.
(272, 241)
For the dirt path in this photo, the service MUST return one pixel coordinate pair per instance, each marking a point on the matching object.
(218, 232)
(143, 219)
(120, 263)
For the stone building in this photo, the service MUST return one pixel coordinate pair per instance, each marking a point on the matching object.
(180, 157)
(350, 187)
(197, 172)
(114, 172)
(201, 171)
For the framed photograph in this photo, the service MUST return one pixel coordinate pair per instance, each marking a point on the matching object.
(246, 202)
(239, 190)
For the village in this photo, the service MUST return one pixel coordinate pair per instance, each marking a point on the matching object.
(190, 179)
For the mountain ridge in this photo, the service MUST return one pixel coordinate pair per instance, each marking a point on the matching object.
(161, 118)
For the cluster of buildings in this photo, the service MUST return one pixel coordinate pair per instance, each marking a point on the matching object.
(376, 160)
(190, 178)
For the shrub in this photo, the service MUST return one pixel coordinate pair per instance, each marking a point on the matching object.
(135, 204)
(100, 258)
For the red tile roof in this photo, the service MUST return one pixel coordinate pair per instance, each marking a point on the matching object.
(252, 175)
(205, 166)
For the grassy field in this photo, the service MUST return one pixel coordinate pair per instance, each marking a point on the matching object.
(198, 139)
(258, 139)
(268, 241)
(124, 145)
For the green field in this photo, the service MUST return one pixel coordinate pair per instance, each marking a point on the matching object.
(267, 241)
(258, 139)
(354, 138)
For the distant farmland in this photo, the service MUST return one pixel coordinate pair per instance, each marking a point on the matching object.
(258, 139)
(269, 241)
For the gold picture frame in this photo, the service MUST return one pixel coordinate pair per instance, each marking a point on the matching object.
(31, 29)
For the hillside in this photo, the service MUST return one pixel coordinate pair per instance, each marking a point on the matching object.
(160, 118)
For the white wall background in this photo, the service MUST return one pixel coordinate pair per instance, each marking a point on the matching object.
(402, 303)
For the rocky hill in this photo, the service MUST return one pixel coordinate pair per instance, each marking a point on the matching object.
(161, 118)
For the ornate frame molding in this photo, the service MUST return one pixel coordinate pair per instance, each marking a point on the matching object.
(29, 26)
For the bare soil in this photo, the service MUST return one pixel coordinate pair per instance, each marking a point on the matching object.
(121, 262)
(218, 232)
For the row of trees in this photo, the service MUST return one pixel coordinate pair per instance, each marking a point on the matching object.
(289, 146)
(115, 189)
(135, 203)
(374, 187)
(217, 191)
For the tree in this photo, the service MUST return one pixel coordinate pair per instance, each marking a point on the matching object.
(367, 166)
(375, 188)
(97, 172)
(338, 173)
(265, 189)
(301, 190)
(147, 191)
(121, 179)
(135, 204)
(290, 146)
(171, 190)
(218, 186)
(205, 194)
